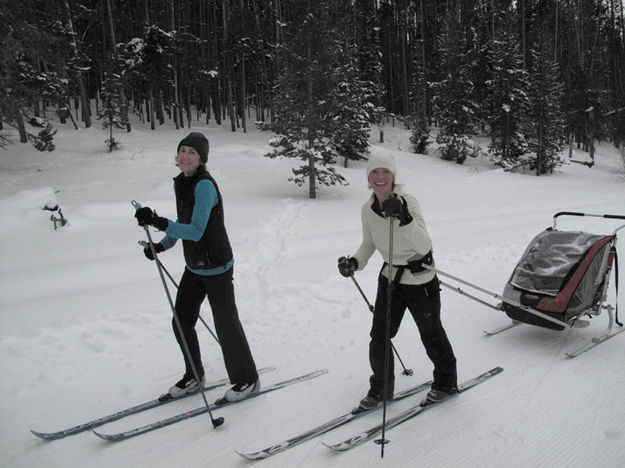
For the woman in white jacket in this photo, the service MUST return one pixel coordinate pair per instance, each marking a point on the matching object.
(413, 287)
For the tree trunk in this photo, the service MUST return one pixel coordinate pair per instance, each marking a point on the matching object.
(590, 134)
(159, 106)
(21, 127)
(556, 32)
(69, 114)
(230, 103)
(174, 64)
(423, 104)
(228, 68)
(404, 59)
(242, 99)
(312, 176)
(62, 113)
(523, 36)
(204, 50)
(122, 93)
(151, 113)
(86, 111)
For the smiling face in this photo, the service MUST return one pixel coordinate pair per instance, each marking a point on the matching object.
(381, 181)
(188, 160)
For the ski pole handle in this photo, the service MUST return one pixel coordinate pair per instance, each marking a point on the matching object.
(136, 204)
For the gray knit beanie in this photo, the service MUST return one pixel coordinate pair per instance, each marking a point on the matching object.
(197, 141)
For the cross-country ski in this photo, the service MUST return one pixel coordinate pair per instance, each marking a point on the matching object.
(406, 415)
(202, 410)
(129, 411)
(324, 427)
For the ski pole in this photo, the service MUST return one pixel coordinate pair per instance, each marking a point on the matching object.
(216, 421)
(405, 371)
(389, 291)
(171, 278)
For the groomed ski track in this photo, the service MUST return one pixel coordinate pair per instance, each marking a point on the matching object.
(86, 328)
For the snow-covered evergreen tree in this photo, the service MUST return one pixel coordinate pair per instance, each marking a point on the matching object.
(111, 112)
(32, 73)
(353, 110)
(122, 66)
(320, 110)
(452, 99)
(507, 100)
(545, 127)
(367, 32)
(44, 141)
(420, 137)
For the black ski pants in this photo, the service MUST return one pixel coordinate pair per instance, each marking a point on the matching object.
(219, 289)
(424, 304)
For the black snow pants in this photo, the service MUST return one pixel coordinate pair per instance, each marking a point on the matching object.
(236, 352)
(423, 302)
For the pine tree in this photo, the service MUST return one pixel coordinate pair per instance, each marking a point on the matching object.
(157, 46)
(368, 50)
(77, 63)
(420, 136)
(507, 100)
(31, 66)
(420, 94)
(111, 112)
(316, 104)
(353, 110)
(453, 104)
(44, 141)
(545, 128)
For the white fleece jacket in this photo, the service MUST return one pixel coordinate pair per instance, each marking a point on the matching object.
(408, 240)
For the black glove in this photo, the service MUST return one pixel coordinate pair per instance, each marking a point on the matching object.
(147, 251)
(393, 207)
(147, 217)
(347, 266)
(396, 207)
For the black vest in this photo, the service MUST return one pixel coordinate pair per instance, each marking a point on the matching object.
(213, 250)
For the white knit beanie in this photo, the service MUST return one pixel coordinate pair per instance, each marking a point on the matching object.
(378, 161)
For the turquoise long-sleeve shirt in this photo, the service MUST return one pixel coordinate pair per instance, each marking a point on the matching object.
(205, 199)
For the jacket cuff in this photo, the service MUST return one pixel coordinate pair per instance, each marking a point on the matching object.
(161, 223)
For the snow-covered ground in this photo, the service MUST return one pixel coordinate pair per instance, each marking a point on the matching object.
(85, 324)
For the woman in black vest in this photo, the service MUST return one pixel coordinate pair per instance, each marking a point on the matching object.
(208, 272)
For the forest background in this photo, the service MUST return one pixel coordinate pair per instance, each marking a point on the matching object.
(531, 75)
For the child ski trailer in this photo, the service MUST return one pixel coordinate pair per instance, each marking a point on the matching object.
(561, 278)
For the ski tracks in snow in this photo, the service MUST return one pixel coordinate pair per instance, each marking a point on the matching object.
(260, 270)
(288, 294)
(260, 278)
